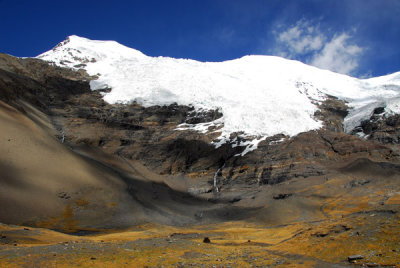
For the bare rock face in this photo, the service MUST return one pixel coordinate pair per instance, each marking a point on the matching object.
(332, 112)
(38, 82)
(148, 134)
(382, 128)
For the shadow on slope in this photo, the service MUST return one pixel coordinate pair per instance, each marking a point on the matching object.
(43, 183)
(364, 166)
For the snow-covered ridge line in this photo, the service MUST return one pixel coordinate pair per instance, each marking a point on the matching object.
(260, 96)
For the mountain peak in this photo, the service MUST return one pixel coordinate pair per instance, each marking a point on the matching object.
(76, 50)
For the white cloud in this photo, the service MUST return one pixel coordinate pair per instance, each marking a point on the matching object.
(301, 38)
(306, 42)
(338, 55)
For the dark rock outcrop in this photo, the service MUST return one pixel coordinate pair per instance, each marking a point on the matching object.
(383, 128)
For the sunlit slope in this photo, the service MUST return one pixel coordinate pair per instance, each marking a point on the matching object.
(41, 178)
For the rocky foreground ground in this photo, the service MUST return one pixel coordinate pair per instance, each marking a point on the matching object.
(87, 183)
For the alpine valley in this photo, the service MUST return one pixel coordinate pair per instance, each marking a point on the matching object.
(111, 158)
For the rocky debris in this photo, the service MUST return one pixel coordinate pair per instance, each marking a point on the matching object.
(320, 234)
(200, 189)
(357, 183)
(235, 199)
(63, 195)
(354, 258)
(206, 240)
(281, 196)
(336, 229)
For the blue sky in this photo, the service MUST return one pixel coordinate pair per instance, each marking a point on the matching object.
(356, 37)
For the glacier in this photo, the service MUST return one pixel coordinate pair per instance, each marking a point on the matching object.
(259, 96)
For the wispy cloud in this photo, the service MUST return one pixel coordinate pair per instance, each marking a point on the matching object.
(338, 55)
(301, 38)
(305, 41)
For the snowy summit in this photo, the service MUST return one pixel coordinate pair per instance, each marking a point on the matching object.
(259, 96)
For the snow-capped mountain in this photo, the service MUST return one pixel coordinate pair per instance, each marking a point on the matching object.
(259, 96)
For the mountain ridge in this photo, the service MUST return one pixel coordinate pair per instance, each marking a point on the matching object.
(255, 94)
